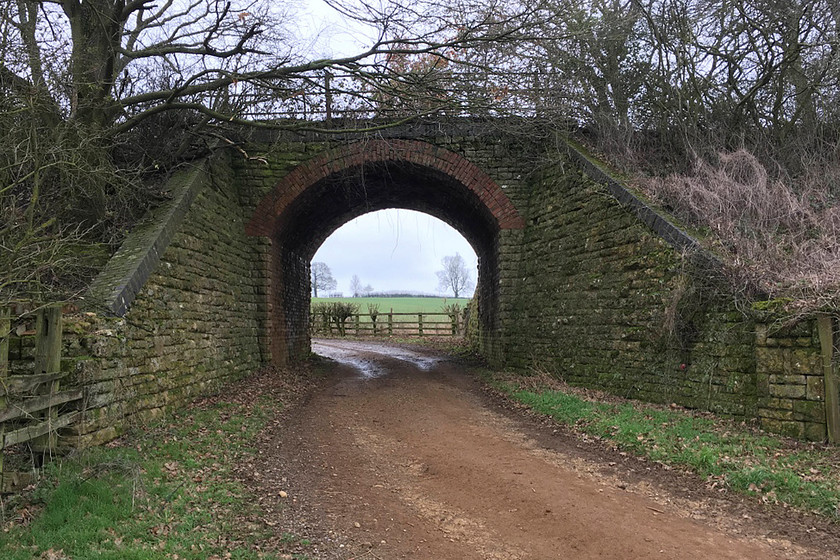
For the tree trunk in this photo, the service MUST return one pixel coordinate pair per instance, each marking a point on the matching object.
(96, 27)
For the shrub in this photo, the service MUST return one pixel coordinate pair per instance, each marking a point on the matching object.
(373, 311)
(321, 314)
(339, 313)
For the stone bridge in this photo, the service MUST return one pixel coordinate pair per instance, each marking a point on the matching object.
(578, 277)
(323, 193)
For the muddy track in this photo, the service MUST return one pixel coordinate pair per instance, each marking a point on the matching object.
(399, 454)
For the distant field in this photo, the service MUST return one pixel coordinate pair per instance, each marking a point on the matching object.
(400, 304)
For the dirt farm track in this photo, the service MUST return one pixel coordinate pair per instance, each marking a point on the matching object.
(399, 454)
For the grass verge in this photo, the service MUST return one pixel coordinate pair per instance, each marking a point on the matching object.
(166, 492)
(727, 453)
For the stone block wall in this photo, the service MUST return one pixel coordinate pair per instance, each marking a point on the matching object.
(603, 301)
(196, 322)
(790, 383)
(719, 357)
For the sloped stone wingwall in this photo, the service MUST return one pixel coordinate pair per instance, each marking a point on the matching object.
(602, 300)
(196, 321)
(605, 302)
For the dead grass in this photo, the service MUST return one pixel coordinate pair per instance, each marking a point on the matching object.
(779, 233)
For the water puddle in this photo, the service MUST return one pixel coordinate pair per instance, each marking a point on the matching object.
(423, 362)
(349, 357)
(358, 356)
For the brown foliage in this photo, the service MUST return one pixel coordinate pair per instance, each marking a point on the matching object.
(780, 233)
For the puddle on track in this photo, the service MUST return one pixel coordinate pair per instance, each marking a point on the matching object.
(365, 356)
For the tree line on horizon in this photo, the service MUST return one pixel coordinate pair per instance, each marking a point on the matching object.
(454, 277)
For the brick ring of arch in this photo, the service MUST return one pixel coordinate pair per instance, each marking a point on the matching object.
(322, 194)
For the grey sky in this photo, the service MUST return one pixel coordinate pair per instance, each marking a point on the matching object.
(324, 32)
(393, 250)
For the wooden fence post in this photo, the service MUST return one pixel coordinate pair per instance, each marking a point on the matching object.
(420, 324)
(391, 322)
(356, 320)
(48, 360)
(826, 325)
(5, 331)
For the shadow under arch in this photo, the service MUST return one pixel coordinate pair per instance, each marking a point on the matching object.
(322, 194)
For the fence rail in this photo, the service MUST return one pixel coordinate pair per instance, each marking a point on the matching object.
(32, 405)
(389, 324)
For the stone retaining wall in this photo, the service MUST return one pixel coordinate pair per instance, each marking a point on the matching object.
(603, 300)
(789, 379)
(197, 321)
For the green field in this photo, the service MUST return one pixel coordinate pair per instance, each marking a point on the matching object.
(400, 304)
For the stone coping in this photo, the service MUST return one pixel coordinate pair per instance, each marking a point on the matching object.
(658, 223)
(115, 288)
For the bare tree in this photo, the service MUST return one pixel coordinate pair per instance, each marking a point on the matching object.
(356, 287)
(455, 276)
(321, 277)
(96, 95)
(88, 86)
(110, 64)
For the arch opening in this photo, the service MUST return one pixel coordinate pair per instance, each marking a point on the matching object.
(319, 196)
(394, 251)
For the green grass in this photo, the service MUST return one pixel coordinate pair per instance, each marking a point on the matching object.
(400, 304)
(170, 492)
(726, 453)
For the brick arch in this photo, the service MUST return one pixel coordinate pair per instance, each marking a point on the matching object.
(330, 189)
(455, 166)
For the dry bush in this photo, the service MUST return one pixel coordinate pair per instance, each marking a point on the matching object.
(339, 313)
(780, 234)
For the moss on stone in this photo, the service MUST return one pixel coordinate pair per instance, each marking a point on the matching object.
(777, 305)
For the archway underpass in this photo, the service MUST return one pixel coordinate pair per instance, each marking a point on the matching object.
(578, 276)
(321, 195)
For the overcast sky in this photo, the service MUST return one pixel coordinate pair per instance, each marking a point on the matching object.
(325, 33)
(393, 250)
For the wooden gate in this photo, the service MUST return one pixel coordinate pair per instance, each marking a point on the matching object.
(31, 405)
(829, 332)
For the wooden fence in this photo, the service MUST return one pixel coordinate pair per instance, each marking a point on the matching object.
(390, 324)
(31, 405)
